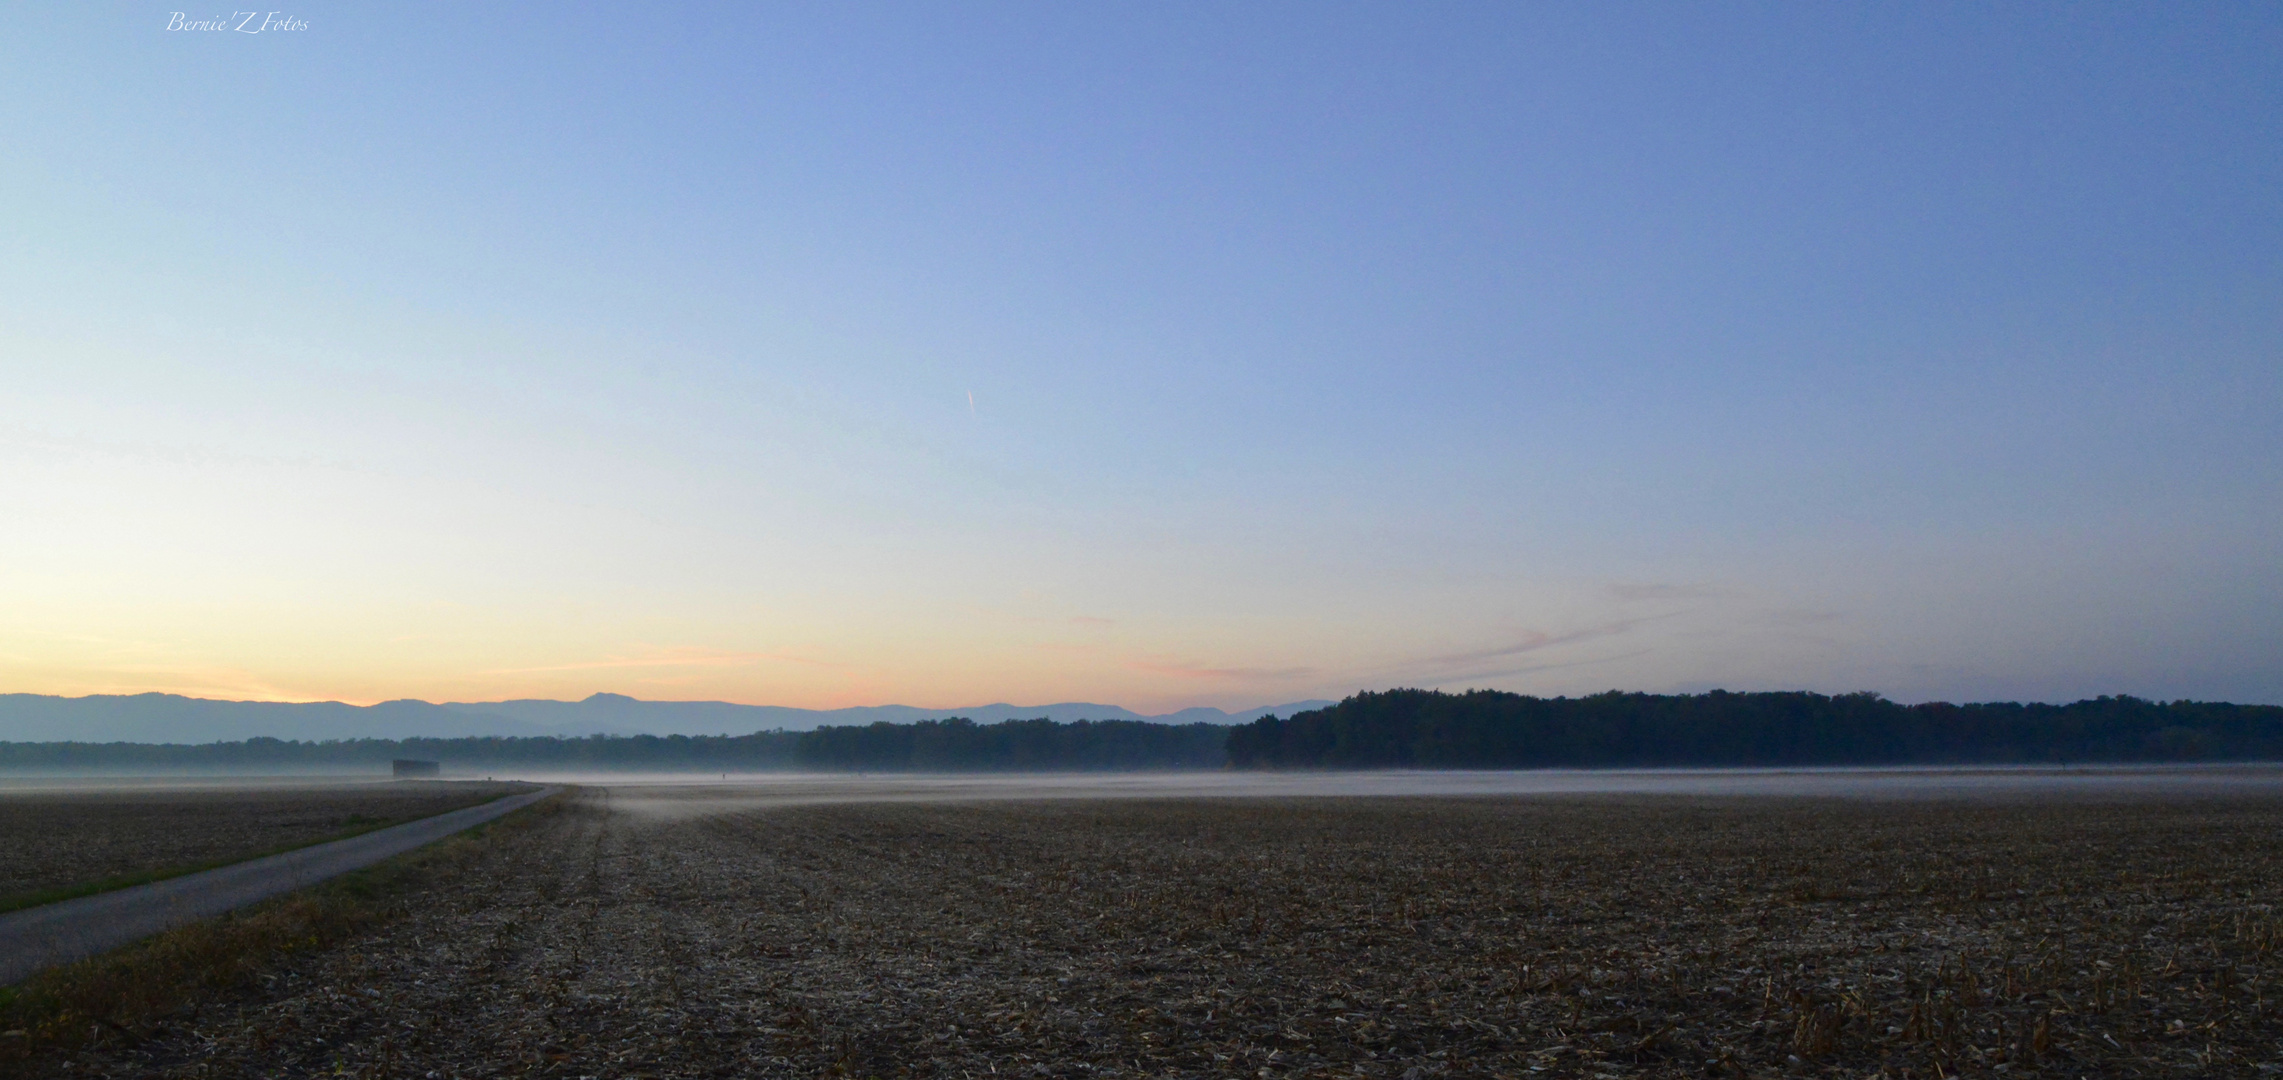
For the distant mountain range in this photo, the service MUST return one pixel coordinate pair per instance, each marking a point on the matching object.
(172, 718)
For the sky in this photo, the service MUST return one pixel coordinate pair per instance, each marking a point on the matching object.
(1152, 354)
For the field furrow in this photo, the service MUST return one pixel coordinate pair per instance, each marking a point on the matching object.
(1403, 938)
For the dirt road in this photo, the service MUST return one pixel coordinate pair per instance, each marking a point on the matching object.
(42, 937)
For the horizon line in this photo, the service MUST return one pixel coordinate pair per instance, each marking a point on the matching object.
(365, 704)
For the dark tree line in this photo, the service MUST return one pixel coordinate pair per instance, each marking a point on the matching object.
(1483, 729)
(956, 745)
(768, 749)
(1015, 745)
(1491, 729)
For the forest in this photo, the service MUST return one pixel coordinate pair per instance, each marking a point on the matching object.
(1489, 729)
(954, 745)
(1422, 729)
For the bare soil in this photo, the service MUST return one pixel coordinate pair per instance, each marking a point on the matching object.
(1394, 937)
(59, 840)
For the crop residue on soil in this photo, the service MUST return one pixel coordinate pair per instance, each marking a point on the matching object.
(1401, 938)
(58, 838)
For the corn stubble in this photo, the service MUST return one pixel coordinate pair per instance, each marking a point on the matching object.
(52, 843)
(1405, 938)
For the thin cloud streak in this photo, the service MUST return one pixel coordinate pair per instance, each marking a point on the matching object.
(1446, 678)
(1194, 671)
(670, 658)
(1632, 591)
(1535, 640)
(1800, 617)
(1480, 663)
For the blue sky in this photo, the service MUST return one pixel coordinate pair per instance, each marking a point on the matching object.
(1151, 354)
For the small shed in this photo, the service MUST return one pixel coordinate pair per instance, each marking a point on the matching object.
(403, 767)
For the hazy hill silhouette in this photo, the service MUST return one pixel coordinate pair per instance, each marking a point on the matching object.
(619, 714)
(173, 718)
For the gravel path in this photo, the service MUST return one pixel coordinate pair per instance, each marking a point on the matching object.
(42, 937)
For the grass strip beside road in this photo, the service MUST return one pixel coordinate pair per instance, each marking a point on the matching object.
(122, 993)
(358, 824)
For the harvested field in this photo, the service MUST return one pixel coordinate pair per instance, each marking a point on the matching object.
(1405, 938)
(53, 841)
